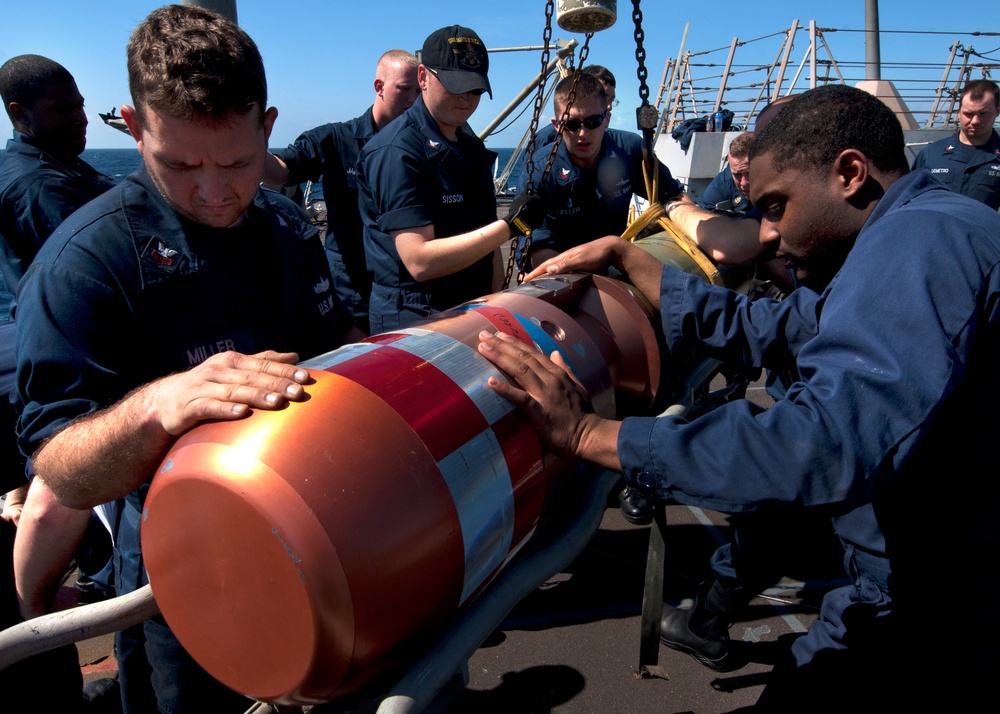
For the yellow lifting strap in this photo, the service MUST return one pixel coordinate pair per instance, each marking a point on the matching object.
(655, 215)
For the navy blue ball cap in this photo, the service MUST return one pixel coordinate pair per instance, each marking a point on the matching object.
(459, 59)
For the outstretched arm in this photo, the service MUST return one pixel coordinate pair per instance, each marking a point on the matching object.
(725, 239)
(427, 257)
(48, 535)
(641, 268)
(554, 400)
(275, 171)
(107, 454)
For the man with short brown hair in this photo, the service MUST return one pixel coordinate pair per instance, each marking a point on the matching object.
(588, 191)
(330, 152)
(186, 269)
(969, 161)
(730, 189)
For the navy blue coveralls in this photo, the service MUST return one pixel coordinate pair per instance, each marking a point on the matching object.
(898, 386)
(331, 151)
(127, 291)
(722, 194)
(972, 171)
(38, 191)
(585, 204)
(410, 176)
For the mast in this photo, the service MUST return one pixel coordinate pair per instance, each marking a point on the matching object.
(873, 50)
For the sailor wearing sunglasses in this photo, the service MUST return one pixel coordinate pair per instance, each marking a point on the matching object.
(595, 172)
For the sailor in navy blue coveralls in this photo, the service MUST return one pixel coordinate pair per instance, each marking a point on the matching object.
(411, 175)
(331, 152)
(969, 161)
(895, 372)
(587, 203)
(117, 298)
(722, 194)
(897, 357)
(972, 171)
(38, 191)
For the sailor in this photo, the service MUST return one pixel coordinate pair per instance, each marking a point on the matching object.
(184, 294)
(969, 161)
(547, 133)
(728, 239)
(731, 186)
(42, 177)
(331, 152)
(589, 188)
(896, 342)
(426, 191)
(42, 181)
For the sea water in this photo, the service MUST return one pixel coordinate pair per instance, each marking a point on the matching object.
(116, 163)
(119, 163)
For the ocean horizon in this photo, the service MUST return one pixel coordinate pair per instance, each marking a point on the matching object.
(119, 163)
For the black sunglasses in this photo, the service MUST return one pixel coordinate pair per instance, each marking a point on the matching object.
(591, 122)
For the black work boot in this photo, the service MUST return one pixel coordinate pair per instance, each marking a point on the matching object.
(703, 630)
(636, 508)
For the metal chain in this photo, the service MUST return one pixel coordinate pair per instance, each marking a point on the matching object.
(522, 268)
(539, 95)
(646, 116)
(529, 165)
(640, 53)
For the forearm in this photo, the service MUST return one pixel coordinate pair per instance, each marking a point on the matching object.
(427, 257)
(275, 171)
(599, 444)
(48, 535)
(724, 239)
(108, 454)
(642, 269)
(105, 455)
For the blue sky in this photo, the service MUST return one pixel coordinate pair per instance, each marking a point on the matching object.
(320, 57)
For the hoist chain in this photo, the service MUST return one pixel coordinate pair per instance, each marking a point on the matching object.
(640, 53)
(539, 95)
(646, 116)
(529, 165)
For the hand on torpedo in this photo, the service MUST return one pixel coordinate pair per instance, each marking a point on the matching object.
(586, 258)
(226, 386)
(555, 402)
(637, 265)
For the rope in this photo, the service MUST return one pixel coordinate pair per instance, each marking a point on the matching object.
(656, 215)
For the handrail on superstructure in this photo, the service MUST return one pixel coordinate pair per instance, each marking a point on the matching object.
(686, 86)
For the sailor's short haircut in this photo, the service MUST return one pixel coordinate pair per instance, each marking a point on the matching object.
(589, 87)
(739, 148)
(403, 57)
(815, 127)
(979, 88)
(26, 78)
(602, 73)
(188, 62)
